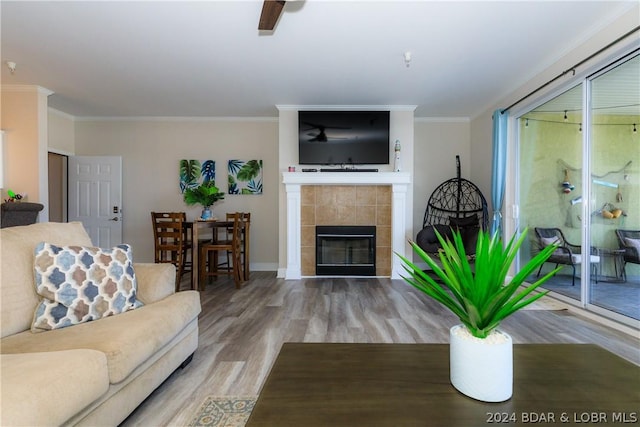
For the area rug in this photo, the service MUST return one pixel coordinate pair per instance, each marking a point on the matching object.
(224, 411)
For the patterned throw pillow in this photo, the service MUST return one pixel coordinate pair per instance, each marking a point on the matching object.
(79, 284)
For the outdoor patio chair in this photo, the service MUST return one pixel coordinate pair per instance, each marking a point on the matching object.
(629, 240)
(567, 253)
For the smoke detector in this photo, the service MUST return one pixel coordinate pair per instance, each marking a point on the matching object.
(407, 58)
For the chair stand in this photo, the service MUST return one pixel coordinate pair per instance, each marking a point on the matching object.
(209, 256)
(573, 275)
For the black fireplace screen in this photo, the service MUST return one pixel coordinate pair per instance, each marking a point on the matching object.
(345, 250)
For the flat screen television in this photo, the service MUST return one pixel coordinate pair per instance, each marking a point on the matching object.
(343, 137)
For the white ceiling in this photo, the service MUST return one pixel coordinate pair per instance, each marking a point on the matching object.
(207, 58)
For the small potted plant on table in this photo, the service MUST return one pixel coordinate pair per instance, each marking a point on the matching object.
(206, 194)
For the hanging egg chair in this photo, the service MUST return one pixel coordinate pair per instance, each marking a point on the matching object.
(455, 204)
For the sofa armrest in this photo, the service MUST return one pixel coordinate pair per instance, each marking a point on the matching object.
(155, 281)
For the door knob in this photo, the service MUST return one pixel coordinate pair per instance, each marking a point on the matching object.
(115, 218)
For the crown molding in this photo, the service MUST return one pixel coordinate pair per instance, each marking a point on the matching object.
(442, 120)
(27, 88)
(346, 107)
(173, 119)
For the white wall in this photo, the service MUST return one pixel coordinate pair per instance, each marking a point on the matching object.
(437, 142)
(402, 128)
(61, 132)
(151, 150)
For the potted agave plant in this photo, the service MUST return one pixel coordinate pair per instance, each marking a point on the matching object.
(480, 294)
(206, 194)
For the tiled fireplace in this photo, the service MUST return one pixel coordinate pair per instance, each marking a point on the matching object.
(345, 250)
(345, 198)
(346, 205)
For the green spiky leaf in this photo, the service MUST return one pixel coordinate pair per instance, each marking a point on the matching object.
(479, 296)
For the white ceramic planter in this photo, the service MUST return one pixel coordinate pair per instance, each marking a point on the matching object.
(481, 368)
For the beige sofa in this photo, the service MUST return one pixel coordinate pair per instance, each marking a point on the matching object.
(93, 373)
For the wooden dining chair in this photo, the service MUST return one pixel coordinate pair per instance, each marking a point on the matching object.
(171, 242)
(209, 252)
(244, 237)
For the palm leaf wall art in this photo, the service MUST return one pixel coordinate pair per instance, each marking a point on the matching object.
(196, 172)
(245, 177)
(208, 170)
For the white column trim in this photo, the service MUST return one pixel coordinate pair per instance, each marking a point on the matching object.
(399, 244)
(294, 269)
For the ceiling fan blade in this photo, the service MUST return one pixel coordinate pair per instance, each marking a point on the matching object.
(271, 10)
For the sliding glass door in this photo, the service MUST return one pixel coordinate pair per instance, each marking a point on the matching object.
(550, 164)
(578, 185)
(615, 186)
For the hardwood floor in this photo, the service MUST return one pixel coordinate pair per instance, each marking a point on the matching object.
(241, 332)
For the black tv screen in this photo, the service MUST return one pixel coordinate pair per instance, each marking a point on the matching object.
(343, 137)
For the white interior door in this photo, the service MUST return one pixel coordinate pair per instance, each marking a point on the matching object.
(95, 197)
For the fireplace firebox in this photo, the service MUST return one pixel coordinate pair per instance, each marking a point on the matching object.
(345, 250)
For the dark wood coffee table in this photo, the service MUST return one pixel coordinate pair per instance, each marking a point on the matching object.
(408, 385)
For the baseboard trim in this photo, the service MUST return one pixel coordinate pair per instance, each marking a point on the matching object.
(263, 266)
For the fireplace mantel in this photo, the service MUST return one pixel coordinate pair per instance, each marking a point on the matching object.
(400, 227)
(350, 178)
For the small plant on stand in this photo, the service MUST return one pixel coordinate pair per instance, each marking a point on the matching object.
(206, 194)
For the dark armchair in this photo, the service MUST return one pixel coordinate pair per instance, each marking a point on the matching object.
(629, 240)
(567, 253)
(19, 213)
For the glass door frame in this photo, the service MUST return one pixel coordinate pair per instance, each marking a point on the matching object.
(512, 201)
(588, 183)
